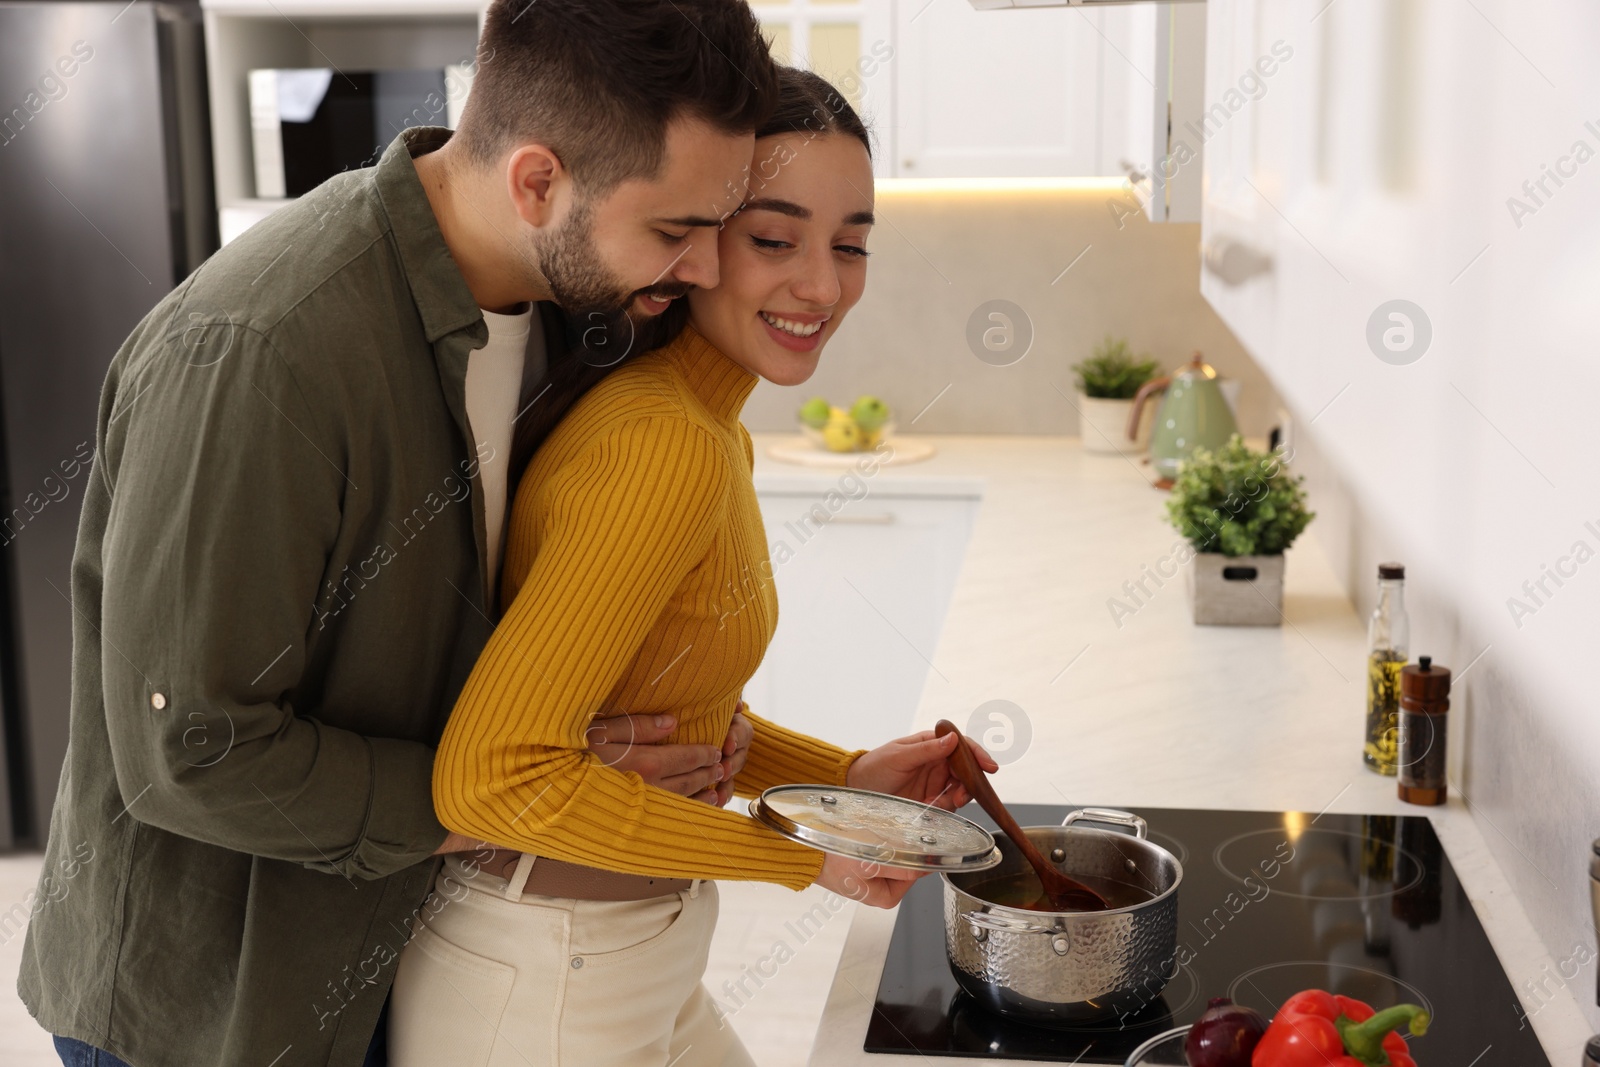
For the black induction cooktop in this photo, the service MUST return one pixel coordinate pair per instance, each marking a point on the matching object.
(1364, 905)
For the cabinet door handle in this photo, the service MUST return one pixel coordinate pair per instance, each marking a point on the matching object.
(884, 519)
(1234, 262)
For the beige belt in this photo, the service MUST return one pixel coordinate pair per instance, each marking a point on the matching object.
(558, 878)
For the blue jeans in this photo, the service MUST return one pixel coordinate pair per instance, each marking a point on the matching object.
(75, 1053)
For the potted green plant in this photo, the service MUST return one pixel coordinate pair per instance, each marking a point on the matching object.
(1107, 382)
(1238, 509)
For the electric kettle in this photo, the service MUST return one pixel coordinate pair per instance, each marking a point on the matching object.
(1193, 414)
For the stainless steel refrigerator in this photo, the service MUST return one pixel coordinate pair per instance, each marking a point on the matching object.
(105, 204)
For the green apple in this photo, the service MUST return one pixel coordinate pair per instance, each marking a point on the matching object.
(814, 412)
(870, 412)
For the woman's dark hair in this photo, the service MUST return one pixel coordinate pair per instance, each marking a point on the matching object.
(807, 103)
(599, 81)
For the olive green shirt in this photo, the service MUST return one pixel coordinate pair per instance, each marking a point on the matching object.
(278, 590)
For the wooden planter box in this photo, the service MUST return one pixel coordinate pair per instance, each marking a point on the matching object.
(1235, 590)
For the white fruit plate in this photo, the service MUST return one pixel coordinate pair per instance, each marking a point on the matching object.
(892, 451)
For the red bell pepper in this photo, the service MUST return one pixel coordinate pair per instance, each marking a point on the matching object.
(1317, 1029)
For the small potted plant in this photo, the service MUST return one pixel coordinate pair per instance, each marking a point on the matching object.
(1238, 509)
(1107, 382)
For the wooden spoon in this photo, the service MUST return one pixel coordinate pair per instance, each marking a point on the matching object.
(1066, 894)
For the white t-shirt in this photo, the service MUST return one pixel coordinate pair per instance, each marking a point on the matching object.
(494, 384)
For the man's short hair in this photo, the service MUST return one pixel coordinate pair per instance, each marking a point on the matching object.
(598, 81)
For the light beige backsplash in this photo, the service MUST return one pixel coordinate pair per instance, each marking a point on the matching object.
(939, 255)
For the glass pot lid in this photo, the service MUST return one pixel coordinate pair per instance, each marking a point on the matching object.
(876, 827)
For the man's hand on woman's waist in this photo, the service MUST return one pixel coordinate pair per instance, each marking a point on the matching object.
(638, 743)
(700, 772)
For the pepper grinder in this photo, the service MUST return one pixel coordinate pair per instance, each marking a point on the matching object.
(1424, 702)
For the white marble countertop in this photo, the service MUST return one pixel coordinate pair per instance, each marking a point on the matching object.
(1154, 712)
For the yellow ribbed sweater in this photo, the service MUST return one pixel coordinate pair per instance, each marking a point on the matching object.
(637, 579)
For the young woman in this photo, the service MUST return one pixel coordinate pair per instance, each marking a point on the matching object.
(629, 526)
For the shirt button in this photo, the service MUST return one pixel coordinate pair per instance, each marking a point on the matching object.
(158, 700)
(577, 962)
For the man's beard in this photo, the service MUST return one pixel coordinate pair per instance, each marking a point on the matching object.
(596, 303)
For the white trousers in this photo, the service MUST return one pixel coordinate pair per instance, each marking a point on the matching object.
(495, 977)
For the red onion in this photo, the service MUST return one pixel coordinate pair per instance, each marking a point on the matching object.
(1224, 1036)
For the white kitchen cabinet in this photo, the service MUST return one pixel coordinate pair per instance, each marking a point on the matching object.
(1326, 191)
(1163, 131)
(953, 92)
(863, 588)
(1001, 93)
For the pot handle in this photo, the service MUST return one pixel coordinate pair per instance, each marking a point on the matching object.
(1141, 829)
(983, 920)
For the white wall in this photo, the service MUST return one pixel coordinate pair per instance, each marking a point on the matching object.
(1378, 165)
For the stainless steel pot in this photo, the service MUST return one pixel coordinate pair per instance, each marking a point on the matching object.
(1062, 968)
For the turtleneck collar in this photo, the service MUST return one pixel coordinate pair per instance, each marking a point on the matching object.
(719, 383)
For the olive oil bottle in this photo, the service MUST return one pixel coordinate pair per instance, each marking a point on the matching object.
(1388, 645)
